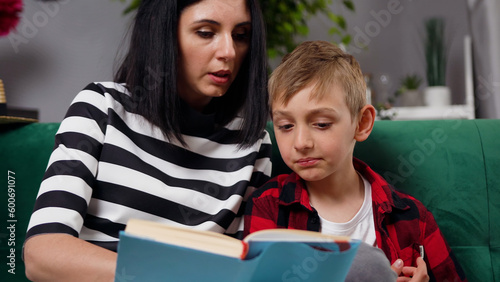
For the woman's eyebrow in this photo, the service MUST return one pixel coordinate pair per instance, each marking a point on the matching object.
(218, 23)
(244, 23)
(207, 21)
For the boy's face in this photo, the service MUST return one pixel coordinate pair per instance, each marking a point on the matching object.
(316, 137)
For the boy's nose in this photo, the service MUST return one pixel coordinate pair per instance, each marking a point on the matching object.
(303, 140)
(226, 49)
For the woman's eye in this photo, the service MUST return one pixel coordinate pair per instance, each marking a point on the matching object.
(241, 36)
(204, 34)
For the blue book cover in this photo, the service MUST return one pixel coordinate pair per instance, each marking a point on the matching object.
(145, 259)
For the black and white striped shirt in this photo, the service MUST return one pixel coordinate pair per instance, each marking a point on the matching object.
(110, 164)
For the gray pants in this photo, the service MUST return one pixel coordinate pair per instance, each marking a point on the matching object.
(370, 264)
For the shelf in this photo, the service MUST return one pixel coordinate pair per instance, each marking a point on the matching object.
(430, 113)
(18, 115)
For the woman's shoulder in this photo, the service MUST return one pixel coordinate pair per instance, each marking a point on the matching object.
(103, 87)
(104, 94)
(98, 98)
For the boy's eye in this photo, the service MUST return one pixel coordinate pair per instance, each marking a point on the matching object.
(323, 125)
(285, 127)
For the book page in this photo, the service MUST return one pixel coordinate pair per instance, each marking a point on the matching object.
(293, 235)
(207, 241)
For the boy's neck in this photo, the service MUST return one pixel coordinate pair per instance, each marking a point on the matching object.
(339, 197)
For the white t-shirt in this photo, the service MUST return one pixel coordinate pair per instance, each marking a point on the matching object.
(361, 226)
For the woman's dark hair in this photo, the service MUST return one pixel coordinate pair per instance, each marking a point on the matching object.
(150, 69)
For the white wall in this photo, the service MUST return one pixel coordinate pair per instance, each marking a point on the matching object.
(58, 49)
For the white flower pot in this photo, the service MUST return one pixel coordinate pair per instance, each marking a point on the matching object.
(412, 98)
(435, 96)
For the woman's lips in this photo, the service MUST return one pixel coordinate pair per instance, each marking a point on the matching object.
(220, 77)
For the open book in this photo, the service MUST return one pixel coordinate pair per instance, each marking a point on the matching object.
(150, 251)
(222, 244)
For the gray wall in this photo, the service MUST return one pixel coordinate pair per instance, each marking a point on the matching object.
(60, 47)
(393, 33)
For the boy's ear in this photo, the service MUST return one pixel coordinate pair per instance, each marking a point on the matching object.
(366, 119)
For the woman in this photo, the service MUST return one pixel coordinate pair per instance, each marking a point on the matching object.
(177, 138)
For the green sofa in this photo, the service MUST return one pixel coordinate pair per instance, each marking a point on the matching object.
(452, 166)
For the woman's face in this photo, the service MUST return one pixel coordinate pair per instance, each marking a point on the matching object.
(214, 38)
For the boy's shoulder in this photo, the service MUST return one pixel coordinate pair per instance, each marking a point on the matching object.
(383, 191)
(280, 186)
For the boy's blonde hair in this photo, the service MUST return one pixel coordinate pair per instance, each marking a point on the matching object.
(322, 63)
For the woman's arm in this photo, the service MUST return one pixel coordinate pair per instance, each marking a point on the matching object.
(62, 257)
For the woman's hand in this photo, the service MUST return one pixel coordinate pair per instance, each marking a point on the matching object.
(411, 273)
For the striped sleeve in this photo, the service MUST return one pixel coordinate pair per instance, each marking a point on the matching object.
(66, 188)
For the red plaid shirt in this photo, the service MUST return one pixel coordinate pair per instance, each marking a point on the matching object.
(402, 223)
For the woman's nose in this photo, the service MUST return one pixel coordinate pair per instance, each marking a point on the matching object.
(226, 49)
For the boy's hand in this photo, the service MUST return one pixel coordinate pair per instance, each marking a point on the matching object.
(411, 273)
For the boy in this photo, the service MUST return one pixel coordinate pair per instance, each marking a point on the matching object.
(319, 111)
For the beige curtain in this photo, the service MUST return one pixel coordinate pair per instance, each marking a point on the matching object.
(485, 33)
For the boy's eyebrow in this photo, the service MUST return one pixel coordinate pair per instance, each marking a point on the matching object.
(280, 114)
(322, 111)
(309, 113)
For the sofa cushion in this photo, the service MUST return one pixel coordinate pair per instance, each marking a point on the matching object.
(442, 164)
(489, 132)
(24, 152)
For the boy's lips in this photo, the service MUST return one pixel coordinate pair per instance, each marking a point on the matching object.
(307, 161)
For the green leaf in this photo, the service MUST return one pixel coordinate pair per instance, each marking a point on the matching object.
(339, 20)
(349, 5)
(334, 30)
(303, 30)
(132, 6)
(346, 40)
(272, 53)
(435, 52)
(342, 22)
(288, 27)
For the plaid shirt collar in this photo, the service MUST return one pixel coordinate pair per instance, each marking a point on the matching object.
(294, 190)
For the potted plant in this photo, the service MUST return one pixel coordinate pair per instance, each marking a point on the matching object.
(409, 91)
(437, 93)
